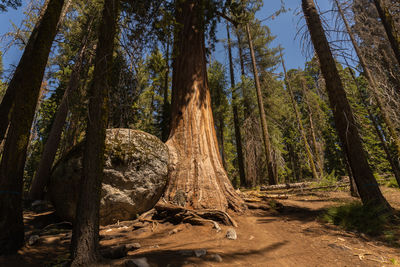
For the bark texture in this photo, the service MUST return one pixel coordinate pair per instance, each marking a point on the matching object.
(197, 178)
(343, 116)
(25, 86)
(272, 175)
(85, 236)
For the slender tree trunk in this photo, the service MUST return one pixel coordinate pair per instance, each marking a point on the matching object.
(343, 116)
(166, 104)
(8, 101)
(245, 97)
(299, 122)
(238, 135)
(25, 84)
(197, 178)
(85, 236)
(312, 130)
(372, 83)
(272, 178)
(390, 27)
(389, 156)
(50, 148)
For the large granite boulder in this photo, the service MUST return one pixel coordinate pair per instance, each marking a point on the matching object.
(135, 174)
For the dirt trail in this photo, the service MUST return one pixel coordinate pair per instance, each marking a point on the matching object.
(293, 237)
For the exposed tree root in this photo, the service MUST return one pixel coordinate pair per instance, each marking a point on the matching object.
(196, 217)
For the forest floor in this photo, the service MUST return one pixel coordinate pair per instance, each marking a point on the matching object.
(293, 236)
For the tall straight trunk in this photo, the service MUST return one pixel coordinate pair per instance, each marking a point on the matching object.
(85, 236)
(236, 123)
(245, 97)
(390, 27)
(377, 127)
(272, 176)
(372, 84)
(26, 84)
(197, 178)
(221, 127)
(312, 129)
(8, 101)
(166, 104)
(299, 122)
(343, 116)
(50, 148)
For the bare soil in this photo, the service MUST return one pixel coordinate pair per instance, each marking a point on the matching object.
(294, 236)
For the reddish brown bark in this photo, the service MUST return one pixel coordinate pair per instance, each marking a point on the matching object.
(197, 178)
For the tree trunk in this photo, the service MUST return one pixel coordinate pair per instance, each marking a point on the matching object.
(25, 84)
(166, 104)
(343, 116)
(8, 101)
(50, 148)
(238, 135)
(372, 84)
(299, 122)
(390, 27)
(389, 156)
(272, 176)
(197, 178)
(85, 236)
(312, 129)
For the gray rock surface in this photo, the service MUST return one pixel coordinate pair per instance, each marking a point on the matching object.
(231, 234)
(135, 174)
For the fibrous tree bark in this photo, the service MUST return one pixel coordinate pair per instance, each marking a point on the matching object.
(390, 27)
(236, 122)
(25, 86)
(299, 122)
(197, 178)
(272, 176)
(85, 236)
(343, 116)
(50, 148)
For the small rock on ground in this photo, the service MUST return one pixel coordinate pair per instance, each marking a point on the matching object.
(231, 234)
(33, 240)
(200, 252)
(139, 262)
(216, 257)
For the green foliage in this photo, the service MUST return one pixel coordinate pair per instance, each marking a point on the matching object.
(392, 183)
(354, 216)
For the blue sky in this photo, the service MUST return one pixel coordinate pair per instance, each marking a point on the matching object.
(284, 27)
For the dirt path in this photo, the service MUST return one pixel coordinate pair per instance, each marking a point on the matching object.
(293, 237)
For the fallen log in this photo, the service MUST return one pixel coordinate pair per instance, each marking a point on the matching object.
(285, 186)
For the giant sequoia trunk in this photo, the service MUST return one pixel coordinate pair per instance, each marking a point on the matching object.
(343, 116)
(50, 148)
(25, 86)
(197, 178)
(390, 27)
(85, 236)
